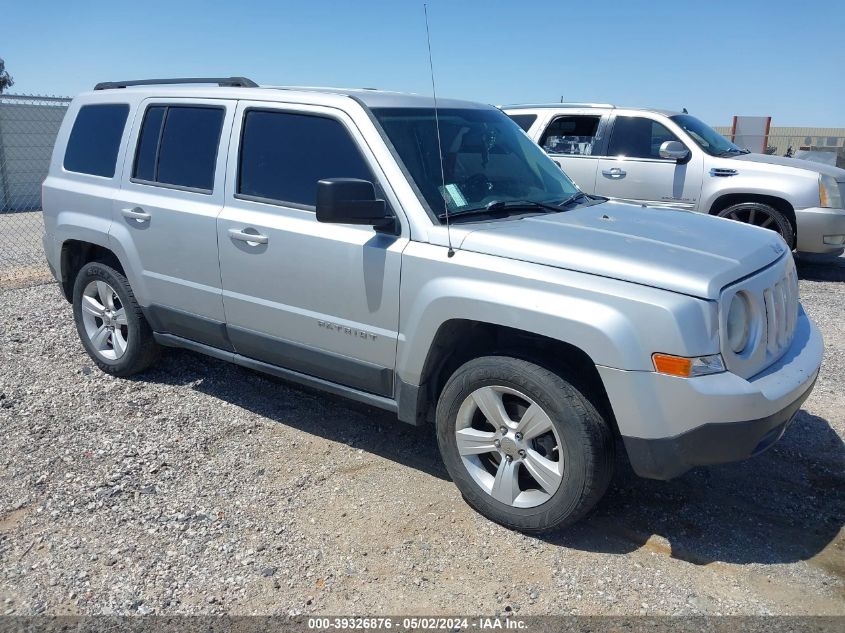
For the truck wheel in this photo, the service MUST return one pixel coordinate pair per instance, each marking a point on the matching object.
(762, 215)
(110, 323)
(524, 446)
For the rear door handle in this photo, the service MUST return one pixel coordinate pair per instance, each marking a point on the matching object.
(251, 238)
(136, 213)
(613, 172)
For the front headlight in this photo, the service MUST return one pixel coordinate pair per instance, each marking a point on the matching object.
(739, 323)
(829, 194)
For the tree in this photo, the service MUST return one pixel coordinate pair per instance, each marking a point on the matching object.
(6, 80)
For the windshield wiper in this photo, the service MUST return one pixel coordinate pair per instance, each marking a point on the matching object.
(521, 204)
(735, 150)
(574, 198)
(498, 207)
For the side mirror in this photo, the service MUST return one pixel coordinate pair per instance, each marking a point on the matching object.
(350, 201)
(674, 150)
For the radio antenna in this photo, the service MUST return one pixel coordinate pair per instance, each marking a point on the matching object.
(451, 251)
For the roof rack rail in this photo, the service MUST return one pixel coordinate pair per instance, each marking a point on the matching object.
(238, 82)
(584, 104)
(563, 104)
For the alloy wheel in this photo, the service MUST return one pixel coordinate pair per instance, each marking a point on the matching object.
(509, 446)
(104, 318)
(755, 216)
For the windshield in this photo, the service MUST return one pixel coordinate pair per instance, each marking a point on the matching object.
(486, 159)
(706, 137)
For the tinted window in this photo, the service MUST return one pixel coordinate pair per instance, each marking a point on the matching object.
(284, 155)
(178, 146)
(571, 135)
(485, 159)
(188, 148)
(147, 152)
(525, 121)
(636, 137)
(705, 136)
(95, 139)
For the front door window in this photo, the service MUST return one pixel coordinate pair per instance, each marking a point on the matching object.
(637, 137)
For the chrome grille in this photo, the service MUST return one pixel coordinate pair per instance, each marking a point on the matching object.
(781, 301)
(773, 297)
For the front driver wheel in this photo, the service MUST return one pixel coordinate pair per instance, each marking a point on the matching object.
(524, 446)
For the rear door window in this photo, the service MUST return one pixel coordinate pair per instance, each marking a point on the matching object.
(571, 134)
(283, 155)
(147, 152)
(178, 146)
(94, 140)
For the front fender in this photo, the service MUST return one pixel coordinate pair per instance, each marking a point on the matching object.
(798, 187)
(617, 324)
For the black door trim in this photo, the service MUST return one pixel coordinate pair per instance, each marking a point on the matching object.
(276, 352)
(388, 404)
(314, 362)
(191, 326)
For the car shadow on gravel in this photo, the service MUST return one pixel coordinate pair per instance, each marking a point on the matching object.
(783, 506)
(820, 267)
(321, 414)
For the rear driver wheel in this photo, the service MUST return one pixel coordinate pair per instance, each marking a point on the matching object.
(110, 323)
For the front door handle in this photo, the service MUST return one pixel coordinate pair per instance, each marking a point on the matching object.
(136, 213)
(614, 172)
(250, 238)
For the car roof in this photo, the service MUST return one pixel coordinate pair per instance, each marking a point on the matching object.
(369, 97)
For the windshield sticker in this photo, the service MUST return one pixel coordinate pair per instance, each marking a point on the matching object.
(452, 195)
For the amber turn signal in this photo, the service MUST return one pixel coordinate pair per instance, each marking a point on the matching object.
(672, 365)
(684, 367)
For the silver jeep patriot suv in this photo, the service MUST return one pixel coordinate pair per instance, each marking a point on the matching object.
(304, 233)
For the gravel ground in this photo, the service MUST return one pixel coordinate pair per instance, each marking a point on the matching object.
(202, 487)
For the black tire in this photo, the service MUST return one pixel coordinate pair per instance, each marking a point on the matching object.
(587, 442)
(762, 215)
(141, 348)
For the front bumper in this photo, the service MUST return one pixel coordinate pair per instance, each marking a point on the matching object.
(817, 227)
(670, 425)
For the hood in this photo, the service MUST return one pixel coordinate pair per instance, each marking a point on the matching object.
(795, 163)
(680, 251)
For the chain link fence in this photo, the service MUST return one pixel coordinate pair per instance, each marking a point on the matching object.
(28, 129)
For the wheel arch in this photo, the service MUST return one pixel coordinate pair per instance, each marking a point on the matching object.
(781, 204)
(458, 341)
(75, 254)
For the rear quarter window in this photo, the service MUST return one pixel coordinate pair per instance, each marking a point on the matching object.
(94, 140)
(525, 121)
